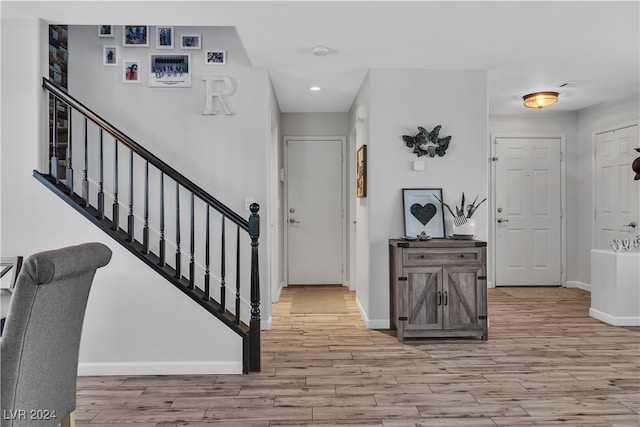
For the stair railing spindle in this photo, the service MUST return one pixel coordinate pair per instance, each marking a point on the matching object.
(238, 276)
(69, 165)
(85, 164)
(223, 288)
(178, 254)
(116, 204)
(54, 141)
(192, 239)
(207, 253)
(162, 243)
(130, 218)
(145, 229)
(101, 177)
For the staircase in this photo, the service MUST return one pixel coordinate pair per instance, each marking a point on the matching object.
(144, 230)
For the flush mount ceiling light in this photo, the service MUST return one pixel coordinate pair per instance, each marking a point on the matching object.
(540, 99)
(320, 51)
(314, 88)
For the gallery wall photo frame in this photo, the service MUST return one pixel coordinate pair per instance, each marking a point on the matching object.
(215, 57)
(135, 35)
(190, 41)
(131, 71)
(361, 171)
(422, 212)
(105, 31)
(169, 70)
(110, 56)
(164, 38)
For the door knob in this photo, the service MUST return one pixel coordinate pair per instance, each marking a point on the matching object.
(293, 221)
(501, 220)
(632, 224)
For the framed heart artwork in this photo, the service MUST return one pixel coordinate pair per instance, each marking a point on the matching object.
(422, 212)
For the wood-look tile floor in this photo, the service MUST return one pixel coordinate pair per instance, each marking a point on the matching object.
(546, 363)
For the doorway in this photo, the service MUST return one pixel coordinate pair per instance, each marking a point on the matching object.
(616, 194)
(314, 210)
(528, 186)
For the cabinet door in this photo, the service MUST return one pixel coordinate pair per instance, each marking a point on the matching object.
(462, 299)
(421, 298)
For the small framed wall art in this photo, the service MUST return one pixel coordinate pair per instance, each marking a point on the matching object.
(135, 36)
(216, 57)
(131, 71)
(190, 41)
(105, 30)
(169, 70)
(109, 56)
(422, 212)
(164, 38)
(361, 171)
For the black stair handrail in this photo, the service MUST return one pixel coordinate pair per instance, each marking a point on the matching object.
(145, 154)
(250, 333)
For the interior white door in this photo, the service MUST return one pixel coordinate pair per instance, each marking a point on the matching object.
(315, 212)
(528, 212)
(617, 199)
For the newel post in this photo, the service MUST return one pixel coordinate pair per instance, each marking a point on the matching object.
(254, 324)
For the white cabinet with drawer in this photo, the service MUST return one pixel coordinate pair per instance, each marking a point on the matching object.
(438, 288)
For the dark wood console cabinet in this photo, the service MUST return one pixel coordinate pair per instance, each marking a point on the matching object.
(438, 288)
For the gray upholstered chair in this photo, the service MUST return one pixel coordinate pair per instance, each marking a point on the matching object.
(41, 339)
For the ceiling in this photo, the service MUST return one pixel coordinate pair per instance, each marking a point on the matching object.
(523, 46)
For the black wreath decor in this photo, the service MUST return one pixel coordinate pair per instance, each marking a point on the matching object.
(427, 143)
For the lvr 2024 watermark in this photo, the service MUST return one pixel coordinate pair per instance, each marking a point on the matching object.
(29, 414)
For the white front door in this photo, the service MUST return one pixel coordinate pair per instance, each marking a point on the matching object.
(617, 200)
(528, 212)
(314, 211)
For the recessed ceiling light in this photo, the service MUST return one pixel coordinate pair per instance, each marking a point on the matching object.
(315, 88)
(320, 50)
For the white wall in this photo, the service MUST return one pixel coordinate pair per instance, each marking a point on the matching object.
(136, 323)
(398, 102)
(315, 124)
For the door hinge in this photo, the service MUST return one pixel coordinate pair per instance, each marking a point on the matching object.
(401, 318)
(403, 245)
(402, 279)
(482, 317)
(482, 277)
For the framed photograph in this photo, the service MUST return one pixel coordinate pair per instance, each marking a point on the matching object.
(131, 71)
(361, 171)
(109, 56)
(216, 57)
(105, 30)
(190, 41)
(164, 38)
(169, 70)
(135, 35)
(423, 212)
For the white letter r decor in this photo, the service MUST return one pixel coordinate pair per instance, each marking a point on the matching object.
(215, 91)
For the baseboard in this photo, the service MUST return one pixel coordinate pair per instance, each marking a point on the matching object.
(580, 285)
(159, 368)
(614, 320)
(372, 323)
(265, 325)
